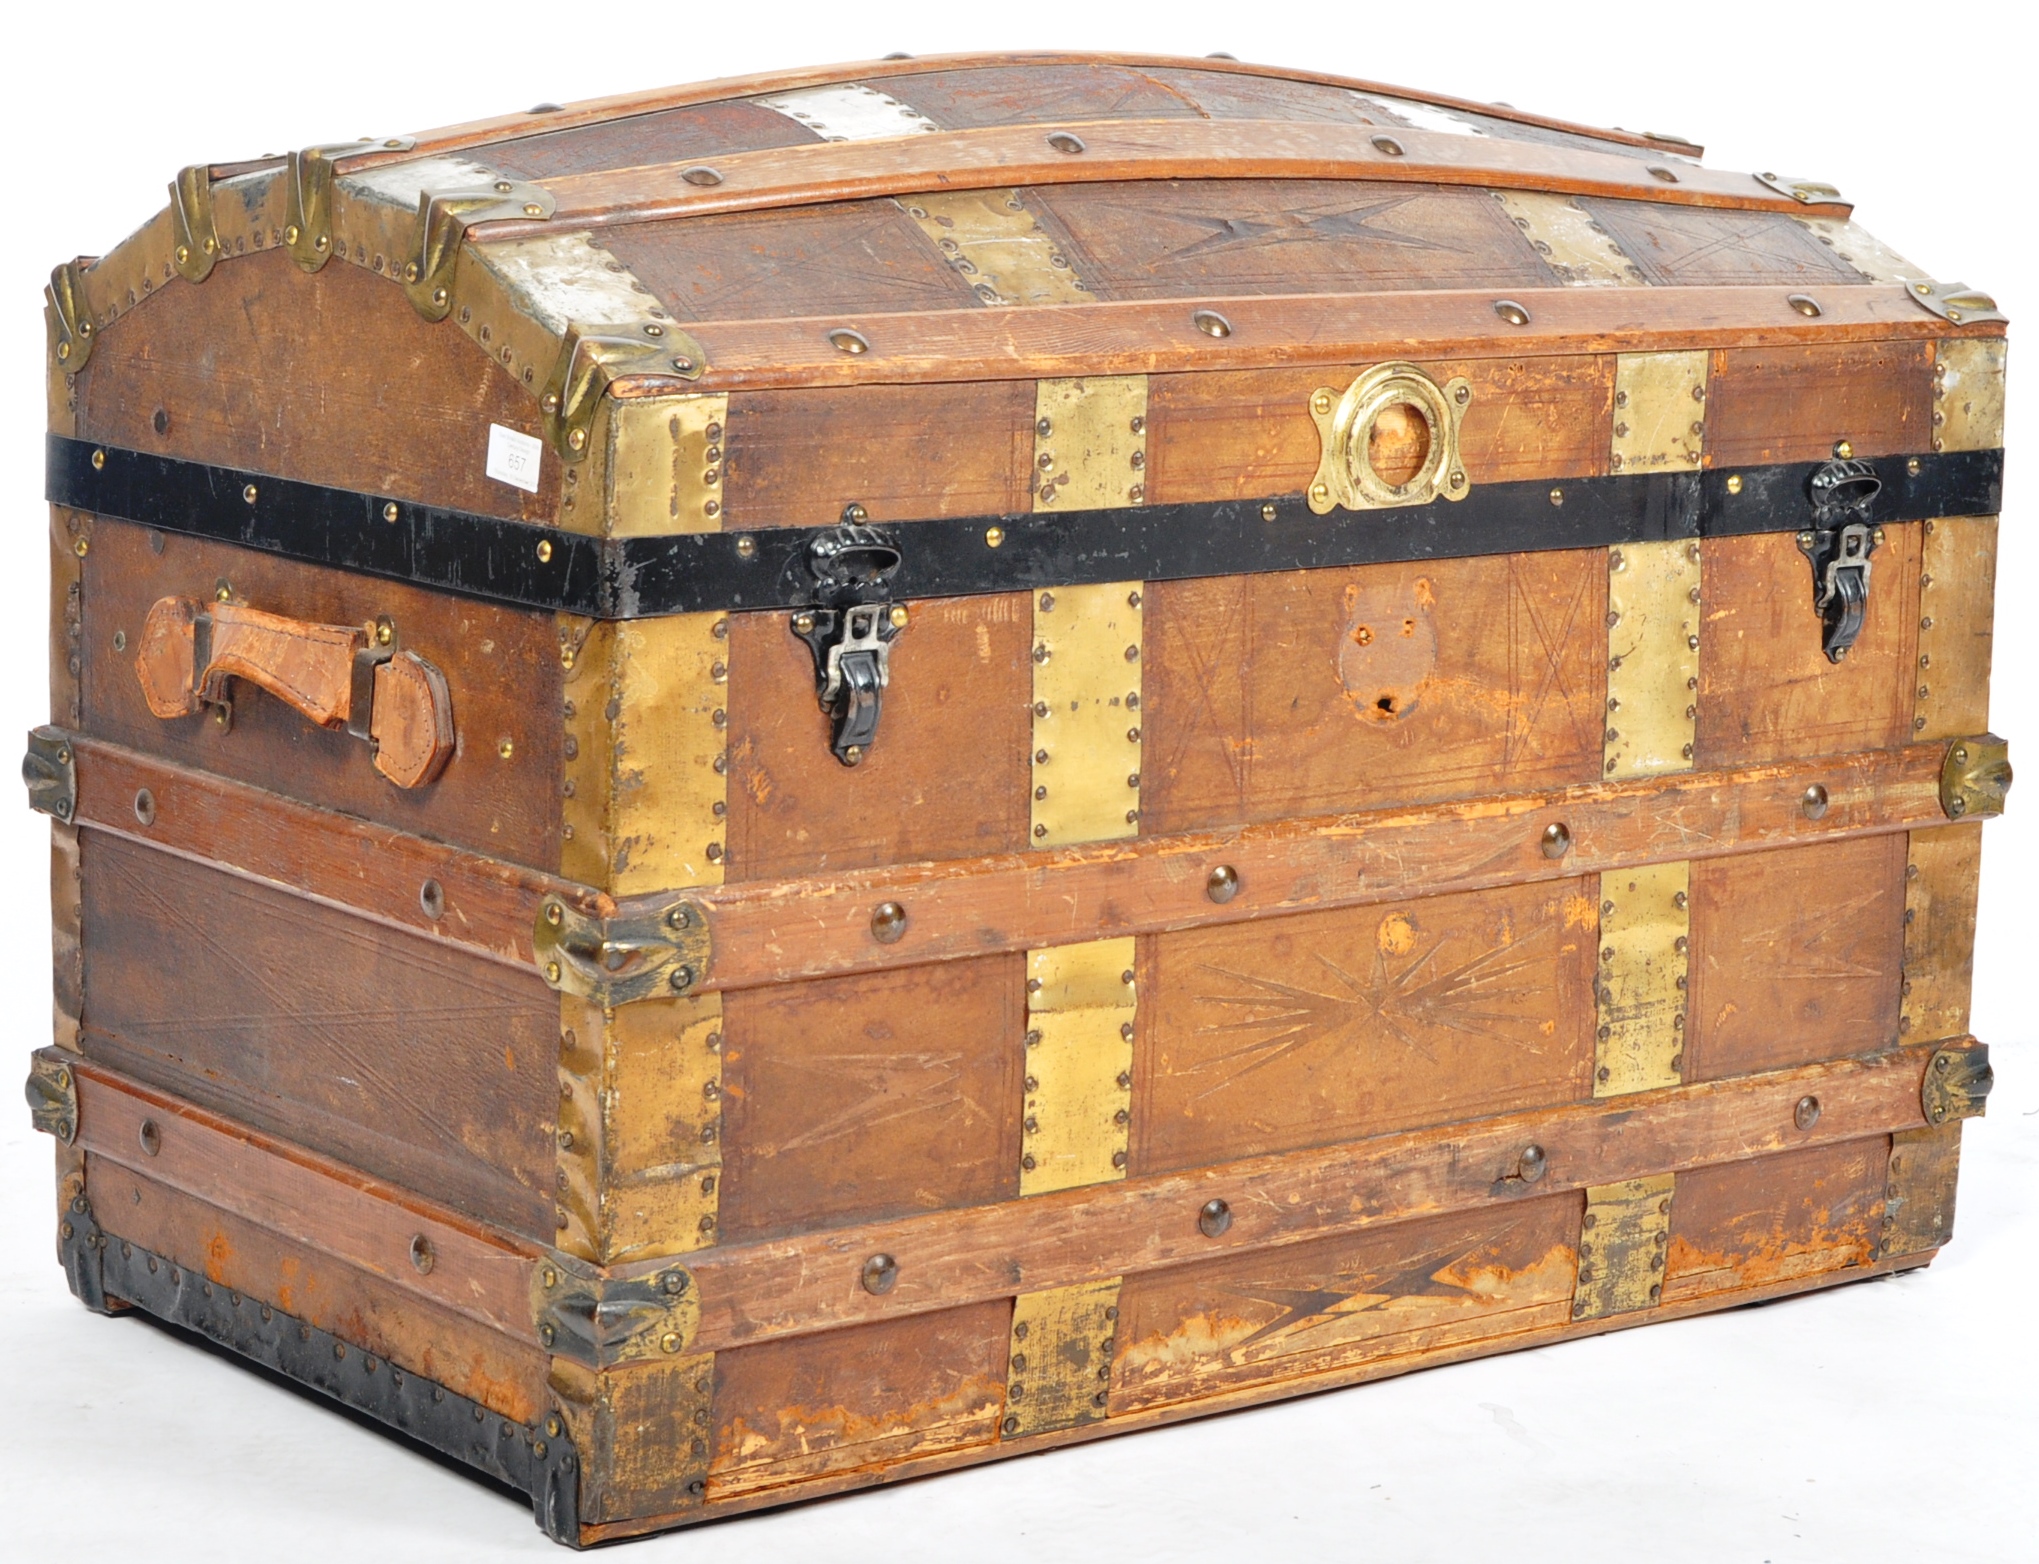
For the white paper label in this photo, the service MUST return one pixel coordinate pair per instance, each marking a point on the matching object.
(513, 457)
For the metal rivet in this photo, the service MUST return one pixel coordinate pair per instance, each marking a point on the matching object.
(1530, 1166)
(1388, 146)
(1214, 1218)
(1814, 801)
(151, 1137)
(1511, 312)
(1063, 141)
(1807, 1113)
(1556, 842)
(432, 899)
(248, 494)
(701, 174)
(879, 1273)
(846, 340)
(1267, 511)
(145, 807)
(1222, 884)
(888, 923)
(1211, 323)
(422, 1255)
(994, 536)
(577, 438)
(99, 458)
(1734, 483)
(1804, 303)
(1658, 171)
(1844, 449)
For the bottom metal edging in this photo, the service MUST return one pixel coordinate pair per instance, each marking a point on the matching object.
(106, 1271)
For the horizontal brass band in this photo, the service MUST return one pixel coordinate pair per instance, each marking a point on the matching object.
(776, 931)
(1124, 149)
(810, 1282)
(655, 576)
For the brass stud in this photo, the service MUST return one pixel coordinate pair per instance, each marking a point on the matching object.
(846, 340)
(1844, 450)
(1807, 1113)
(389, 511)
(1213, 1220)
(1222, 884)
(1814, 801)
(506, 748)
(1556, 841)
(1062, 141)
(1911, 467)
(888, 923)
(1805, 304)
(1388, 146)
(1557, 496)
(248, 495)
(899, 616)
(879, 1274)
(81, 547)
(544, 550)
(98, 460)
(994, 537)
(1532, 1164)
(1211, 323)
(1734, 483)
(577, 439)
(1267, 511)
(1511, 312)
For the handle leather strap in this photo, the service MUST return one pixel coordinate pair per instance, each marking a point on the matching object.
(338, 676)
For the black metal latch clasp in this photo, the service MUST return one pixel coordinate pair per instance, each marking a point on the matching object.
(851, 628)
(1839, 545)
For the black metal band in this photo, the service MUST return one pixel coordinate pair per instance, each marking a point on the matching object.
(540, 1461)
(639, 578)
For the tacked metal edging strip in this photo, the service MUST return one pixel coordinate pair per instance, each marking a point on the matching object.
(645, 577)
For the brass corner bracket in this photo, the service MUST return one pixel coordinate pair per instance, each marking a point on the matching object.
(308, 193)
(50, 768)
(1957, 1083)
(592, 358)
(652, 952)
(72, 316)
(195, 235)
(601, 1320)
(1955, 302)
(52, 1093)
(444, 216)
(1393, 416)
(1975, 777)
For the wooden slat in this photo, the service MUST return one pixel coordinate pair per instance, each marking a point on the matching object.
(340, 860)
(1003, 156)
(382, 1315)
(810, 1283)
(780, 931)
(1239, 1397)
(1144, 337)
(476, 1271)
(595, 110)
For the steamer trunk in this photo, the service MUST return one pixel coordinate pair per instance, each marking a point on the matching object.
(783, 784)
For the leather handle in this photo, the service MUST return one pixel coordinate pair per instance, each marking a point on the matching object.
(338, 676)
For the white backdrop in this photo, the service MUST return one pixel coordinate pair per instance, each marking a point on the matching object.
(1891, 1420)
